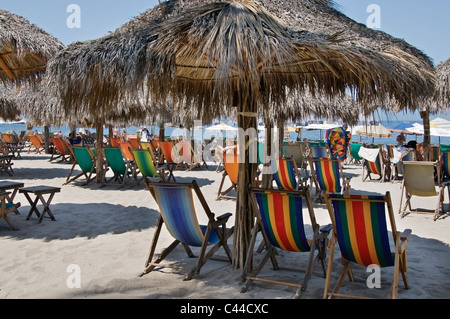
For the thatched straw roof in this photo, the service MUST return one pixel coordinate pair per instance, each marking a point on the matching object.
(24, 48)
(102, 72)
(8, 106)
(443, 84)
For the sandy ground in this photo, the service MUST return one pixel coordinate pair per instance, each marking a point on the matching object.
(103, 234)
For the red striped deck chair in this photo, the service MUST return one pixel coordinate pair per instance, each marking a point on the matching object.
(178, 213)
(362, 225)
(328, 176)
(282, 222)
(376, 167)
(286, 174)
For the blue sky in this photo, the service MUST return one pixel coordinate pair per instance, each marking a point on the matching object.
(423, 24)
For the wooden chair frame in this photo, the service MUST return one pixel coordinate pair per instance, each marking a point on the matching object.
(400, 242)
(316, 251)
(215, 225)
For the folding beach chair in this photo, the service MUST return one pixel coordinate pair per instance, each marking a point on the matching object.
(123, 171)
(37, 144)
(168, 156)
(85, 158)
(280, 219)
(373, 165)
(328, 176)
(231, 170)
(361, 225)
(354, 157)
(125, 148)
(298, 153)
(286, 174)
(6, 207)
(188, 156)
(60, 150)
(147, 165)
(178, 213)
(418, 180)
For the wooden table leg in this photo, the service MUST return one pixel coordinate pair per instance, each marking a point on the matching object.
(33, 206)
(46, 207)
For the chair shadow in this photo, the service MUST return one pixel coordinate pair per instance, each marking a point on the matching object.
(80, 220)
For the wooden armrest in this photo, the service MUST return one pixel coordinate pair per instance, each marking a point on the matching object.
(224, 216)
(326, 228)
(405, 234)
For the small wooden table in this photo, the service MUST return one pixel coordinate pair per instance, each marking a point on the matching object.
(39, 191)
(14, 186)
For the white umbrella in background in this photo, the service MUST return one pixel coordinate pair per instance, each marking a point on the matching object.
(434, 130)
(372, 131)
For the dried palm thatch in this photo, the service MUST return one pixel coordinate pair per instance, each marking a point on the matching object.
(443, 85)
(102, 72)
(24, 48)
(8, 106)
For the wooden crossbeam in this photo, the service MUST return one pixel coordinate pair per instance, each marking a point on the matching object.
(6, 69)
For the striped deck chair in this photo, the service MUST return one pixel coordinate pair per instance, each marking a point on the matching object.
(286, 174)
(178, 213)
(85, 158)
(328, 176)
(281, 221)
(361, 226)
(146, 164)
(231, 170)
(376, 167)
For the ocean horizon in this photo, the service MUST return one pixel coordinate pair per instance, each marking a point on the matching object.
(314, 135)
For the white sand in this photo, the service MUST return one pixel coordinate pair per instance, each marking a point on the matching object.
(107, 232)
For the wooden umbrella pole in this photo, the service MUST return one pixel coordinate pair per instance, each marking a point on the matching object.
(247, 173)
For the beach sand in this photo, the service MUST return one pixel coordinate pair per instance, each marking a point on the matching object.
(105, 233)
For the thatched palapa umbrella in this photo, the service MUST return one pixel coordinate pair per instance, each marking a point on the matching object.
(24, 48)
(8, 106)
(443, 84)
(225, 54)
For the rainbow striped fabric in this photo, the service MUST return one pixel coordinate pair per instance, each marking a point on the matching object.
(282, 218)
(177, 209)
(374, 167)
(360, 223)
(328, 175)
(284, 173)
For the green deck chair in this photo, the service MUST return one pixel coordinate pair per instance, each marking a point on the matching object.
(146, 165)
(85, 158)
(123, 173)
